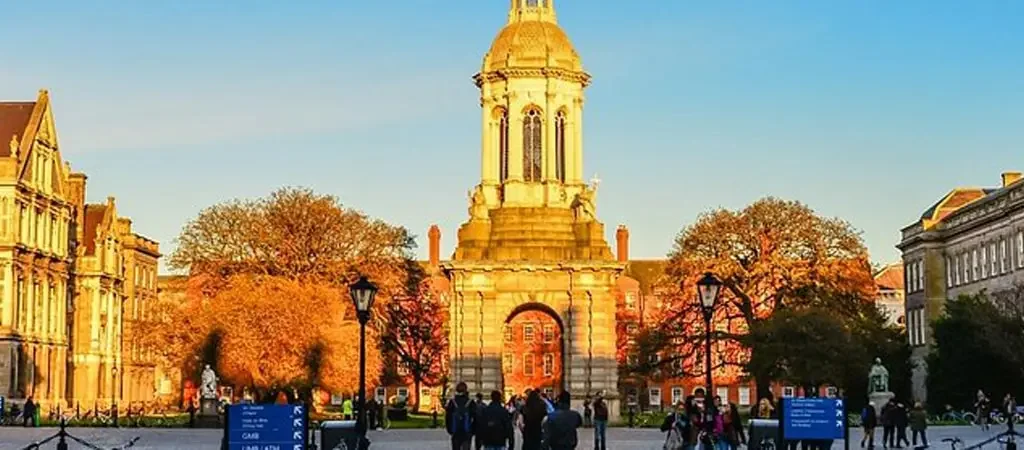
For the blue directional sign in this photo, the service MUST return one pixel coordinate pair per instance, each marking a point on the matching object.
(266, 427)
(813, 418)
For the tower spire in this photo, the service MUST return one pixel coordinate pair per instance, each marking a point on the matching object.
(541, 10)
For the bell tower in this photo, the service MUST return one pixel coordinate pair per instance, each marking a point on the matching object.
(533, 243)
(531, 96)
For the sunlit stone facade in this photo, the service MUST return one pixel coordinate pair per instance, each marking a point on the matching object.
(61, 301)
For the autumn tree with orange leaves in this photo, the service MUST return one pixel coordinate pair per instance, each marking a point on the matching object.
(268, 279)
(416, 335)
(771, 255)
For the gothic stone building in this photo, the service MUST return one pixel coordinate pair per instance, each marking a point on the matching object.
(72, 276)
(971, 240)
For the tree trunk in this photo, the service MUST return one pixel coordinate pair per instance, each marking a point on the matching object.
(764, 387)
(416, 384)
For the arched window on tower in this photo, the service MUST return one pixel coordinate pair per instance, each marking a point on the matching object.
(532, 148)
(502, 116)
(560, 121)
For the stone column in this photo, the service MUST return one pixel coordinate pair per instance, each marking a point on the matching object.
(488, 139)
(575, 176)
(515, 137)
(492, 334)
(549, 136)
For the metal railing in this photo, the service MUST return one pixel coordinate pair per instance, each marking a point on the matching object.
(62, 437)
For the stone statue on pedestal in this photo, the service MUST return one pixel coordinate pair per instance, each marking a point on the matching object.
(478, 204)
(878, 386)
(208, 386)
(878, 378)
(14, 146)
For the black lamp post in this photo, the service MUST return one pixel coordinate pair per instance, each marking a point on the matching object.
(707, 293)
(362, 292)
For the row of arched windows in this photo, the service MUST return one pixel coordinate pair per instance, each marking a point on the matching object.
(533, 145)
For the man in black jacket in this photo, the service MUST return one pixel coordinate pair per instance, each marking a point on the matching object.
(459, 415)
(561, 425)
(494, 426)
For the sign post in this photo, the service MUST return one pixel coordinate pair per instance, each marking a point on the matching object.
(266, 427)
(814, 418)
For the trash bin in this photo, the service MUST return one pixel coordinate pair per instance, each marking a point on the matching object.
(764, 435)
(340, 435)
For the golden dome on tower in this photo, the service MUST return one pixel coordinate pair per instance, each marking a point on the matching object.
(532, 40)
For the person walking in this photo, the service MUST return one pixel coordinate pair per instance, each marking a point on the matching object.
(479, 410)
(981, 408)
(588, 413)
(868, 420)
(458, 418)
(888, 428)
(901, 421)
(677, 425)
(918, 424)
(29, 413)
(732, 429)
(534, 412)
(600, 422)
(494, 427)
(560, 430)
(346, 409)
(371, 414)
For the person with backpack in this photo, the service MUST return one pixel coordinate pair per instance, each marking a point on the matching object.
(476, 418)
(600, 422)
(534, 412)
(458, 418)
(560, 428)
(677, 425)
(494, 426)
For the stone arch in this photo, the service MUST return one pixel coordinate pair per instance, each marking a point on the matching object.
(534, 349)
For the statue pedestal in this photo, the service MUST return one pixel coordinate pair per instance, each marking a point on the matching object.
(207, 416)
(879, 399)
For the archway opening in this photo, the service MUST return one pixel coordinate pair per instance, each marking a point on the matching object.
(533, 351)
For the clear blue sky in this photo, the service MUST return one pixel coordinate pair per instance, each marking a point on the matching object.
(868, 110)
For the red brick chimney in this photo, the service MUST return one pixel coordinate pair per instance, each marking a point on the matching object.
(622, 243)
(434, 236)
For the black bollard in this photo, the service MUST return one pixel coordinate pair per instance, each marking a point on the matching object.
(61, 443)
(631, 416)
(435, 417)
(113, 411)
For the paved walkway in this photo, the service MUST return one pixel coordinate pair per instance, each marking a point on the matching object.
(182, 439)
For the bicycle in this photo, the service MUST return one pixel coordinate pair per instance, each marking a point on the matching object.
(954, 443)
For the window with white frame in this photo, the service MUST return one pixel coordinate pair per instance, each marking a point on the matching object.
(984, 261)
(382, 393)
(956, 270)
(508, 362)
(508, 333)
(949, 272)
(1020, 249)
(549, 333)
(549, 364)
(631, 300)
(723, 393)
(993, 261)
(920, 275)
(403, 393)
(976, 274)
(967, 267)
(744, 394)
(527, 332)
(654, 395)
(528, 364)
(788, 392)
(908, 270)
(677, 395)
(1003, 255)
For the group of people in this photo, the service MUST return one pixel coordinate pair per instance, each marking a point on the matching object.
(690, 425)
(894, 417)
(543, 423)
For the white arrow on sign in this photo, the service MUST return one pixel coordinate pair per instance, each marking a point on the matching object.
(839, 403)
(297, 435)
(839, 413)
(839, 424)
(297, 447)
(297, 423)
(297, 410)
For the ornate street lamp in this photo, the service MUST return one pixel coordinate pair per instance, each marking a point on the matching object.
(362, 292)
(707, 294)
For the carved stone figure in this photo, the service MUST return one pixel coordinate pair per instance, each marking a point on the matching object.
(14, 145)
(208, 385)
(478, 204)
(878, 378)
(583, 205)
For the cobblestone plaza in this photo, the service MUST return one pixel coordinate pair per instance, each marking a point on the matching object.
(618, 438)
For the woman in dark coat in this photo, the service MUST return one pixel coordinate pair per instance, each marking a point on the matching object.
(534, 412)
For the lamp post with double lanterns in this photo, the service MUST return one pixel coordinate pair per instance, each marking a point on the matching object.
(707, 293)
(362, 292)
